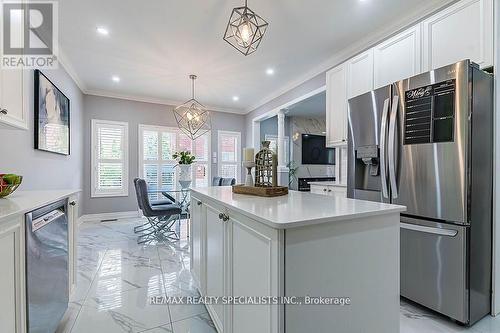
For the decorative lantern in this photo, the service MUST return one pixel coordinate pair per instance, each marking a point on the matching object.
(266, 167)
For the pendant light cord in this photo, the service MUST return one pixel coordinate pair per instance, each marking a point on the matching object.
(192, 88)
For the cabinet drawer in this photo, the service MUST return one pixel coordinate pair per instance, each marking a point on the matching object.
(332, 190)
(319, 189)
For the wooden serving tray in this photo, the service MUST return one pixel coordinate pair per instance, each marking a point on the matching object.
(261, 191)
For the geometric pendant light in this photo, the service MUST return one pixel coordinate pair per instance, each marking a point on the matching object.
(245, 30)
(192, 117)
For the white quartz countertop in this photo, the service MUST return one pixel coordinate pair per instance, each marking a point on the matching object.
(328, 184)
(22, 202)
(296, 209)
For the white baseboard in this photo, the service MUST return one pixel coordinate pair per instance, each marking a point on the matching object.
(109, 216)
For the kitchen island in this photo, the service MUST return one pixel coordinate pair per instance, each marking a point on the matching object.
(296, 246)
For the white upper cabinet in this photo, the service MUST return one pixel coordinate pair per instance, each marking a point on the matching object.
(13, 89)
(360, 74)
(461, 31)
(336, 106)
(13, 97)
(397, 58)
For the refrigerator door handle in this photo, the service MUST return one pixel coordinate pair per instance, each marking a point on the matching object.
(392, 147)
(429, 230)
(383, 135)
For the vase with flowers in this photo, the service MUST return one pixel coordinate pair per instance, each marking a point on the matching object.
(184, 161)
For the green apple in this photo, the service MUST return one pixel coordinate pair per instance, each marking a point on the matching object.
(12, 179)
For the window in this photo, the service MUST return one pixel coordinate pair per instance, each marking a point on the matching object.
(157, 144)
(273, 139)
(230, 154)
(109, 158)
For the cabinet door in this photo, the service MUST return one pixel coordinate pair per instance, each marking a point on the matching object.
(13, 98)
(397, 58)
(360, 74)
(13, 86)
(254, 271)
(215, 261)
(336, 106)
(196, 238)
(462, 31)
(11, 281)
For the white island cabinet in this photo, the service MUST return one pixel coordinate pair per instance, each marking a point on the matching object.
(297, 245)
(12, 251)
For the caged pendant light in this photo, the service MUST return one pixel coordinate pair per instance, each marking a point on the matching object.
(192, 117)
(245, 30)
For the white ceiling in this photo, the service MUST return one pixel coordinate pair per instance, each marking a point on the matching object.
(314, 106)
(153, 45)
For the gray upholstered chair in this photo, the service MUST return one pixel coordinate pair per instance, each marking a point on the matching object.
(161, 218)
(219, 181)
(227, 182)
(216, 181)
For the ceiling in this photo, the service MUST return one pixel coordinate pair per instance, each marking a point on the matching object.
(154, 45)
(314, 106)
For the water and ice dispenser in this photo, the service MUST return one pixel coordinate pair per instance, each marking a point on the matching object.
(370, 157)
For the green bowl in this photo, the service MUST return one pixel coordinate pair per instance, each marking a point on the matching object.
(9, 183)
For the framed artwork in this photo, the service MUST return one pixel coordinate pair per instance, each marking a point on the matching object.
(52, 117)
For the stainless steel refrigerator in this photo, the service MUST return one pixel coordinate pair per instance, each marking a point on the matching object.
(427, 143)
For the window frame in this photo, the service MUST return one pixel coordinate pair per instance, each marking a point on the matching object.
(177, 131)
(238, 162)
(95, 192)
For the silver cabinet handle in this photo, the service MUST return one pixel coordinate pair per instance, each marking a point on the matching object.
(73, 203)
(329, 190)
(383, 135)
(392, 148)
(324, 190)
(225, 218)
(4, 111)
(429, 230)
(198, 203)
(221, 216)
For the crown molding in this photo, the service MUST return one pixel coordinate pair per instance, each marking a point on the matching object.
(364, 44)
(154, 100)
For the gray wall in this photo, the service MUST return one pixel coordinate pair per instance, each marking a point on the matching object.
(315, 83)
(42, 170)
(270, 126)
(136, 113)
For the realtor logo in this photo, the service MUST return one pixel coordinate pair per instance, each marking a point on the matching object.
(29, 34)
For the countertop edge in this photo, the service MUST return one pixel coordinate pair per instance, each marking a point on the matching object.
(298, 224)
(328, 184)
(48, 200)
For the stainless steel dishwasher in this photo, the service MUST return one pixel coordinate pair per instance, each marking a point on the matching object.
(47, 267)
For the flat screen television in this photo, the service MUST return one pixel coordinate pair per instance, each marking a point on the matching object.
(314, 150)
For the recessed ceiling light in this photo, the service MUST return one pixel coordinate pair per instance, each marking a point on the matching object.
(115, 78)
(270, 71)
(236, 98)
(102, 31)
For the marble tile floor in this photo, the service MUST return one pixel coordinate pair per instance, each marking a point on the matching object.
(116, 277)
